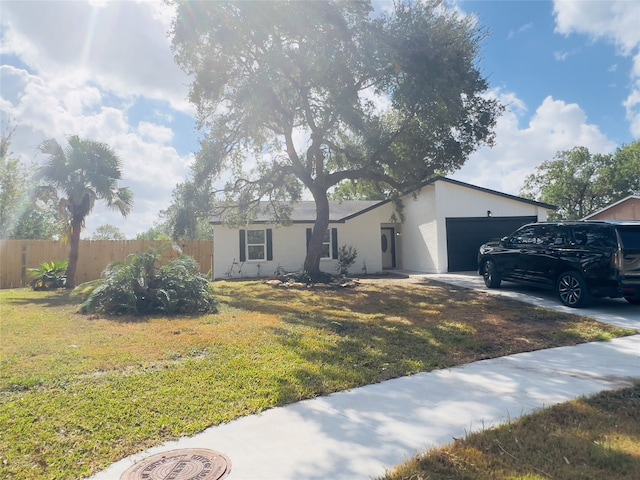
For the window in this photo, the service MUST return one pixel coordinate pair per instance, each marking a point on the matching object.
(593, 235)
(329, 243)
(256, 243)
(524, 236)
(326, 245)
(630, 237)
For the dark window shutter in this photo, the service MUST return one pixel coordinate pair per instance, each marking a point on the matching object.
(269, 244)
(308, 237)
(334, 243)
(243, 246)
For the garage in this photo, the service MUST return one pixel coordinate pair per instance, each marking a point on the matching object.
(465, 235)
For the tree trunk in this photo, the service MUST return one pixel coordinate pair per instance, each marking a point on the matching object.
(74, 246)
(314, 250)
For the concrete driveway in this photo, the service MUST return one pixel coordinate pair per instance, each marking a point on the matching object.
(615, 311)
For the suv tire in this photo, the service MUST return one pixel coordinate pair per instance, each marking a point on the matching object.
(572, 290)
(490, 274)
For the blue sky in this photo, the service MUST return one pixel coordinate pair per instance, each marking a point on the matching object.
(526, 53)
(568, 71)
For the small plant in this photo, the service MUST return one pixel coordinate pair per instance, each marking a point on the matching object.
(49, 276)
(230, 273)
(346, 258)
(140, 286)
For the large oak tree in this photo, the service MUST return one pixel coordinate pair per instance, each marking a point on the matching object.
(312, 94)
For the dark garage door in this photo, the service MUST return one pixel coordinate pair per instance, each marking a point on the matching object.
(465, 235)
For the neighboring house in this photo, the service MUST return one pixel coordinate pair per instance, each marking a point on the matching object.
(445, 222)
(625, 209)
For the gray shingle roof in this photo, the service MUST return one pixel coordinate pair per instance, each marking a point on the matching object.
(305, 211)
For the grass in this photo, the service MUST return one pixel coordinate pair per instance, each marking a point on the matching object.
(585, 439)
(78, 393)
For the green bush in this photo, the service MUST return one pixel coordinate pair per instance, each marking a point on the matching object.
(140, 286)
(49, 275)
(346, 258)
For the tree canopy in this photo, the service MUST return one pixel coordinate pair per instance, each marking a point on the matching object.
(82, 172)
(579, 182)
(294, 95)
(108, 232)
(20, 216)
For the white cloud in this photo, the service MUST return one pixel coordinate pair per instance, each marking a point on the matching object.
(87, 65)
(522, 29)
(554, 126)
(122, 47)
(615, 21)
(156, 133)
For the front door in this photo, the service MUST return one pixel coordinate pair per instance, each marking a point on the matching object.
(388, 244)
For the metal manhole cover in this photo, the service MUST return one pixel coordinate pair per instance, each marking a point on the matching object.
(185, 464)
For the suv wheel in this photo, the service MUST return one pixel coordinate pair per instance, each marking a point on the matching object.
(491, 276)
(572, 290)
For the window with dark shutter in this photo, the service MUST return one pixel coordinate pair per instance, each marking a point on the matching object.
(243, 247)
(269, 244)
(334, 243)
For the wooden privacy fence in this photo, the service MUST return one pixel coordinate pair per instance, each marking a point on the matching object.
(17, 256)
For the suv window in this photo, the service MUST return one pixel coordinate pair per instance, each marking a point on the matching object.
(591, 235)
(524, 236)
(630, 237)
(552, 235)
(540, 235)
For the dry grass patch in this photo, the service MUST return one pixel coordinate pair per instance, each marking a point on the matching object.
(80, 392)
(590, 438)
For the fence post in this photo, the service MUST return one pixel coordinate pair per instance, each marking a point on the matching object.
(23, 266)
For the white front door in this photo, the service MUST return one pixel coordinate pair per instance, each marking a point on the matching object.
(387, 241)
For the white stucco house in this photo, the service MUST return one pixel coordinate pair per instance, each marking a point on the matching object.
(444, 224)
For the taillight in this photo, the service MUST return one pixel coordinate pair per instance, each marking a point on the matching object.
(618, 258)
(617, 261)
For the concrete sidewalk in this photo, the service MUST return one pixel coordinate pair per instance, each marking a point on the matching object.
(357, 434)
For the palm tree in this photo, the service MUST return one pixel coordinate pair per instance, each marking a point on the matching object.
(83, 172)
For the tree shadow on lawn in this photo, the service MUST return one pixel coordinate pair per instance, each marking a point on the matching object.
(57, 298)
(400, 306)
(371, 334)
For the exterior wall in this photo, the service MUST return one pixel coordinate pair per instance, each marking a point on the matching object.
(420, 246)
(420, 232)
(363, 233)
(290, 247)
(424, 234)
(627, 210)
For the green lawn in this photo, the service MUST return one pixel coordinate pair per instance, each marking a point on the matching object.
(80, 392)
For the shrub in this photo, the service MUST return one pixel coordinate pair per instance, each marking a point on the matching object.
(49, 275)
(140, 286)
(346, 258)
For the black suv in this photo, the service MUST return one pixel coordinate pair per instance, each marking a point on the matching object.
(580, 260)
